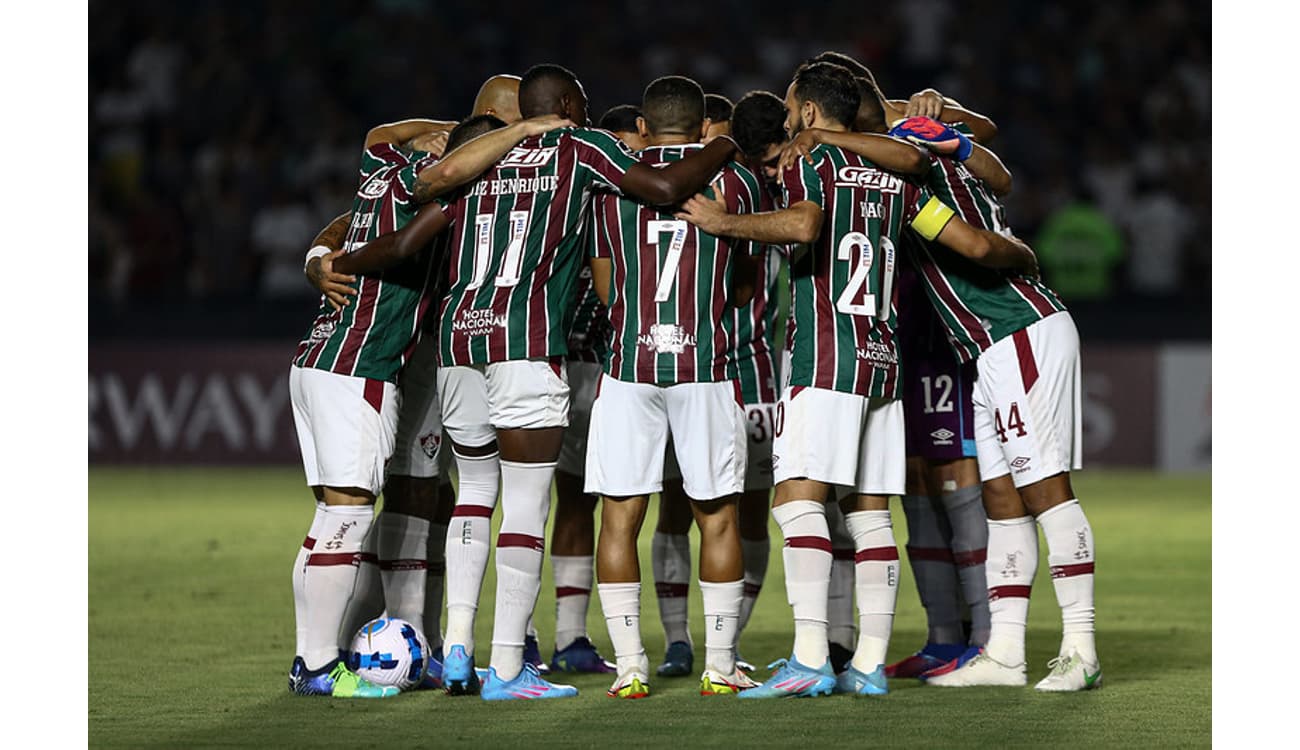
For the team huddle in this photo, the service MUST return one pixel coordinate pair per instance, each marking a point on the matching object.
(533, 301)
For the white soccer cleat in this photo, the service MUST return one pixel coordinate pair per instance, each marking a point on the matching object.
(1070, 674)
(980, 671)
(631, 684)
(713, 682)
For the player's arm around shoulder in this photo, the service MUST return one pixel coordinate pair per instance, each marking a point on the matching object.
(319, 265)
(475, 156)
(940, 223)
(388, 250)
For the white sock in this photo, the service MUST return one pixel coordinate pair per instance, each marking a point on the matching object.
(721, 623)
(929, 554)
(299, 574)
(756, 553)
(367, 601)
(525, 505)
(435, 577)
(970, 541)
(468, 545)
(573, 578)
(403, 565)
(1010, 569)
(842, 628)
(670, 560)
(331, 575)
(621, 605)
(876, 575)
(1071, 555)
(807, 558)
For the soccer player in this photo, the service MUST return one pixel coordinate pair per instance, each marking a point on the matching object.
(717, 116)
(499, 97)
(621, 121)
(342, 386)
(503, 335)
(669, 288)
(839, 421)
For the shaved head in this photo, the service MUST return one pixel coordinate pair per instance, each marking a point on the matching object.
(549, 89)
(499, 96)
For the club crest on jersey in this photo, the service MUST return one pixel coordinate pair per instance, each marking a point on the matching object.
(527, 157)
(373, 188)
(666, 338)
(868, 178)
(322, 331)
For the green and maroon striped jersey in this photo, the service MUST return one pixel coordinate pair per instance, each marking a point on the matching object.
(976, 304)
(670, 285)
(842, 314)
(589, 333)
(751, 362)
(373, 335)
(517, 247)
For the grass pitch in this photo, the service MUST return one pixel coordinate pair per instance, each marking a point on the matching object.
(191, 636)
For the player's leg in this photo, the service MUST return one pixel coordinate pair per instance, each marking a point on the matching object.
(463, 393)
(962, 498)
(434, 585)
(753, 509)
(529, 405)
(625, 451)
(573, 536)
(711, 444)
(842, 625)
(880, 475)
(299, 595)
(670, 562)
(345, 426)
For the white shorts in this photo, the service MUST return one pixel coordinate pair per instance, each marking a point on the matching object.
(630, 424)
(840, 438)
(419, 421)
(478, 400)
(1028, 403)
(758, 462)
(583, 377)
(346, 427)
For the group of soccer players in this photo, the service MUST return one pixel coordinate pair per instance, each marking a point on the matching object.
(596, 307)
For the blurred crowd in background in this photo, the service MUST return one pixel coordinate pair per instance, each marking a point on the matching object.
(223, 135)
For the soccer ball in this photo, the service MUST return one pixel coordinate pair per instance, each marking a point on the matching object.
(389, 651)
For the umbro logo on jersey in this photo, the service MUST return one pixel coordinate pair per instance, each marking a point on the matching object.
(527, 157)
(869, 178)
(1020, 464)
(943, 436)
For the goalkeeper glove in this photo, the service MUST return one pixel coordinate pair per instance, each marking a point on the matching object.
(935, 136)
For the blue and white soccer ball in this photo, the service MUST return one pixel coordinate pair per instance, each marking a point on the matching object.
(389, 651)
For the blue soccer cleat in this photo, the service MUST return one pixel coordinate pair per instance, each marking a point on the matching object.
(433, 675)
(952, 665)
(853, 680)
(335, 679)
(932, 656)
(527, 685)
(295, 673)
(581, 656)
(679, 660)
(458, 674)
(533, 654)
(794, 680)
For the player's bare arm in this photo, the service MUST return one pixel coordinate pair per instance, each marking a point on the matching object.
(744, 275)
(680, 179)
(798, 224)
(473, 157)
(404, 130)
(388, 250)
(985, 164)
(930, 103)
(601, 271)
(889, 153)
(980, 245)
(319, 269)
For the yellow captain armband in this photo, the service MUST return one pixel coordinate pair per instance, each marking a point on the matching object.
(934, 216)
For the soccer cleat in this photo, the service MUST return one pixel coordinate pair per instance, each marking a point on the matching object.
(744, 664)
(533, 654)
(296, 672)
(717, 683)
(970, 653)
(433, 675)
(1069, 674)
(335, 679)
(839, 656)
(932, 656)
(458, 675)
(527, 685)
(793, 679)
(631, 684)
(581, 656)
(979, 671)
(679, 660)
(854, 680)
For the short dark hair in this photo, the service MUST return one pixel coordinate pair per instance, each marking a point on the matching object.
(542, 86)
(831, 87)
(673, 104)
(856, 68)
(472, 127)
(717, 107)
(620, 119)
(871, 110)
(757, 122)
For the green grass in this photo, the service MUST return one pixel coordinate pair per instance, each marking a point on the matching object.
(191, 634)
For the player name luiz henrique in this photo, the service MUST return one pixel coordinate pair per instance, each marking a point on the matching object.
(512, 185)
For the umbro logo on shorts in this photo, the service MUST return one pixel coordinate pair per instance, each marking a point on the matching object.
(1020, 464)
